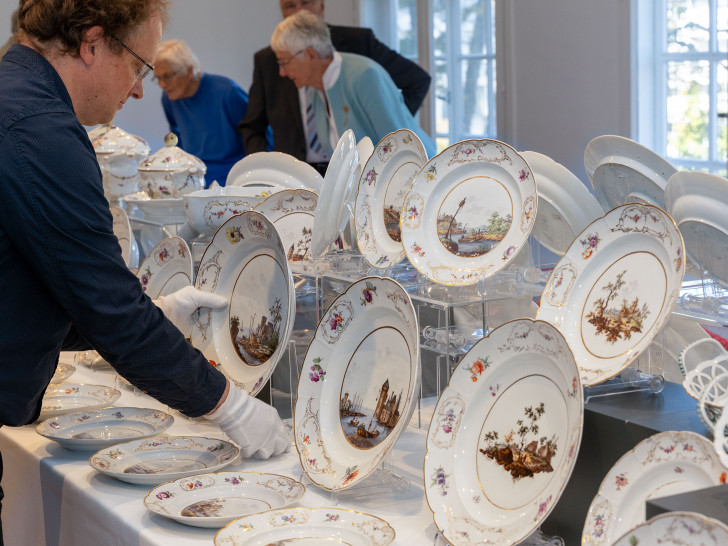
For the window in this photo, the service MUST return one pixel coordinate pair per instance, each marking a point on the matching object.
(686, 86)
(455, 41)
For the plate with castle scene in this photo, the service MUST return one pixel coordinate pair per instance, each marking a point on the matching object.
(358, 387)
(246, 263)
(469, 212)
(386, 178)
(615, 288)
(504, 436)
(665, 464)
(292, 213)
(167, 268)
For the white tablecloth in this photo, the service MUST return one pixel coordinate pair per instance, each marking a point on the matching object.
(53, 496)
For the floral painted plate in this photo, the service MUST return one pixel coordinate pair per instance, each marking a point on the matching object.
(665, 464)
(246, 263)
(167, 268)
(623, 171)
(469, 211)
(335, 201)
(156, 460)
(307, 526)
(274, 168)
(565, 205)
(63, 372)
(385, 180)
(615, 288)
(677, 529)
(213, 500)
(125, 236)
(358, 387)
(94, 430)
(292, 213)
(505, 435)
(66, 397)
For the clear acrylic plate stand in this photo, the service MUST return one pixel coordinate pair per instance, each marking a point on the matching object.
(383, 481)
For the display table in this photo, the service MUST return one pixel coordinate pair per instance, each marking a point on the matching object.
(53, 496)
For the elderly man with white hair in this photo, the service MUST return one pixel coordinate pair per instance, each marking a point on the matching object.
(344, 90)
(203, 110)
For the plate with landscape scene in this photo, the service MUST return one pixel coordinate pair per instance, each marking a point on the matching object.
(386, 178)
(504, 436)
(615, 288)
(678, 529)
(246, 263)
(292, 213)
(358, 387)
(469, 212)
(665, 464)
(167, 268)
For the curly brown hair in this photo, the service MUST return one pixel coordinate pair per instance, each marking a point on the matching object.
(66, 21)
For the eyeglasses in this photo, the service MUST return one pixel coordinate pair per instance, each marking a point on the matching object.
(166, 77)
(284, 62)
(143, 71)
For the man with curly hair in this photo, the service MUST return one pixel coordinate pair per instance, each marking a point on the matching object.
(63, 282)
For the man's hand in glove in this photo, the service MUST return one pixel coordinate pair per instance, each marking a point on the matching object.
(179, 306)
(253, 425)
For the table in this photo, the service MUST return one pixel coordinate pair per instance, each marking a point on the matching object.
(53, 497)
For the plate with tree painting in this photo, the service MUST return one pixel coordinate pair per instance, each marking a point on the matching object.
(358, 387)
(167, 268)
(665, 464)
(386, 178)
(504, 436)
(677, 528)
(565, 204)
(307, 526)
(292, 213)
(615, 288)
(215, 499)
(246, 263)
(469, 212)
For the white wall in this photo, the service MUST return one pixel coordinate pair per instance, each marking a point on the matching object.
(564, 75)
(224, 34)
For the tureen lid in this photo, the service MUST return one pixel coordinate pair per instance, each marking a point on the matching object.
(172, 158)
(110, 139)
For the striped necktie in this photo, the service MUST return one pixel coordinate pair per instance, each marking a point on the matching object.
(314, 143)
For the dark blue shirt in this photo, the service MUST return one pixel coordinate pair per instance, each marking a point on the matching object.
(206, 124)
(61, 270)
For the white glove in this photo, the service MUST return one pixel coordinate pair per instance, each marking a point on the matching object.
(179, 306)
(253, 425)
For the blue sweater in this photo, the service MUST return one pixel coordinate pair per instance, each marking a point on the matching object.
(206, 124)
(61, 271)
(365, 99)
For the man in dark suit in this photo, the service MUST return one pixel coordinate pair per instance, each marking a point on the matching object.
(274, 100)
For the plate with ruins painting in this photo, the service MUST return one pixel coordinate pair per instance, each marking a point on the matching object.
(313, 526)
(623, 171)
(167, 268)
(385, 180)
(565, 204)
(665, 464)
(335, 202)
(469, 211)
(504, 436)
(615, 288)
(246, 263)
(292, 213)
(152, 461)
(358, 387)
(677, 529)
(213, 500)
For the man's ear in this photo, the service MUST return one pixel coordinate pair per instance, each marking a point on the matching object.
(91, 40)
(312, 54)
